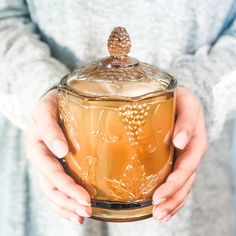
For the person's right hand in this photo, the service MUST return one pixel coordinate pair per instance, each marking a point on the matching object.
(45, 143)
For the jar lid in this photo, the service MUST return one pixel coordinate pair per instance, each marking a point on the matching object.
(118, 77)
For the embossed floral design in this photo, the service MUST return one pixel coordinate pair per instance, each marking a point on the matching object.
(67, 116)
(134, 184)
(86, 173)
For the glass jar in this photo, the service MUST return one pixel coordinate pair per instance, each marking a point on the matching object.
(118, 116)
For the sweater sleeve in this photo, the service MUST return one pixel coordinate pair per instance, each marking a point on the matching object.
(27, 69)
(210, 73)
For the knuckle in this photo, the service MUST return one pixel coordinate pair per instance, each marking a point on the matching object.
(58, 199)
(179, 207)
(69, 182)
(64, 180)
(171, 204)
(45, 104)
(49, 114)
(182, 203)
(72, 186)
(69, 204)
(53, 176)
(173, 184)
(59, 202)
(51, 131)
(188, 127)
(49, 107)
(178, 198)
(187, 171)
(57, 175)
(48, 122)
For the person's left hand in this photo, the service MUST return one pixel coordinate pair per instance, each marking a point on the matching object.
(190, 139)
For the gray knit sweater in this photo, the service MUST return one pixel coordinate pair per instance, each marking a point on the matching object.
(40, 41)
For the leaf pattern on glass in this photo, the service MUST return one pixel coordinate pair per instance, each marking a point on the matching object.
(87, 173)
(150, 184)
(67, 116)
(134, 183)
(88, 169)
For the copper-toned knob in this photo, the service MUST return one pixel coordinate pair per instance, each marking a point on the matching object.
(119, 43)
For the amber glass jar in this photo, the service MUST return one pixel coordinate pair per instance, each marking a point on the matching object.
(118, 116)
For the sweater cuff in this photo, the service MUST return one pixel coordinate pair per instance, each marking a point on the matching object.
(37, 79)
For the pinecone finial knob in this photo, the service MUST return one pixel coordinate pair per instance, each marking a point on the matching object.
(119, 43)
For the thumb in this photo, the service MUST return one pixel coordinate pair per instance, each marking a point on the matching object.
(187, 113)
(47, 127)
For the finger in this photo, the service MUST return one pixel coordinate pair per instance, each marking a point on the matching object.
(187, 112)
(46, 125)
(51, 168)
(185, 165)
(164, 209)
(178, 208)
(66, 214)
(62, 200)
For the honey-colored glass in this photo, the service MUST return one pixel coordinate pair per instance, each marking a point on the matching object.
(118, 116)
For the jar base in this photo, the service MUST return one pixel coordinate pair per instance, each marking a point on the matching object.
(120, 215)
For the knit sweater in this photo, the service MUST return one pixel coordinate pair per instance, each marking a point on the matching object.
(41, 41)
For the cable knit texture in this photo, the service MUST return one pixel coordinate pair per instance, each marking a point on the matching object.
(41, 41)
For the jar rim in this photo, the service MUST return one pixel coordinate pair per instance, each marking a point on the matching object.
(63, 86)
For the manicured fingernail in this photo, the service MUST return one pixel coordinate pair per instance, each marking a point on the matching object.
(81, 220)
(82, 202)
(75, 220)
(180, 140)
(59, 148)
(165, 219)
(161, 215)
(159, 201)
(83, 212)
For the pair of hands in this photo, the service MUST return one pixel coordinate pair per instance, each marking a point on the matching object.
(46, 141)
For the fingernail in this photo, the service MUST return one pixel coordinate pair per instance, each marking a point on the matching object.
(159, 201)
(165, 219)
(83, 212)
(161, 215)
(82, 202)
(75, 220)
(81, 220)
(180, 140)
(59, 148)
